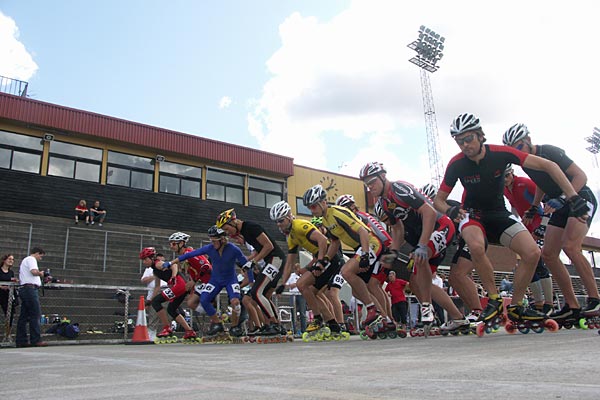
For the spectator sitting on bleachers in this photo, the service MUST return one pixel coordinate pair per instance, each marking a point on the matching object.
(81, 212)
(506, 285)
(97, 213)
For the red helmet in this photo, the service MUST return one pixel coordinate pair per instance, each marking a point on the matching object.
(147, 252)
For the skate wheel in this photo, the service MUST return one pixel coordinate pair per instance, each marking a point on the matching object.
(583, 323)
(551, 325)
(382, 335)
(523, 329)
(305, 337)
(480, 330)
(510, 328)
(345, 336)
(402, 333)
(392, 334)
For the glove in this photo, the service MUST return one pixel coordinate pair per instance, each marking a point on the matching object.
(421, 253)
(558, 202)
(529, 214)
(172, 281)
(453, 212)
(279, 289)
(248, 265)
(578, 206)
(166, 265)
(392, 256)
(364, 261)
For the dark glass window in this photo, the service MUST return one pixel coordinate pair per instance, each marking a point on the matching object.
(180, 179)
(20, 152)
(264, 193)
(301, 208)
(129, 170)
(225, 186)
(75, 161)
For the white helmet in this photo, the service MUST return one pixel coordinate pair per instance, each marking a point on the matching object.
(179, 236)
(314, 195)
(280, 210)
(464, 123)
(371, 169)
(345, 200)
(429, 190)
(514, 134)
(508, 169)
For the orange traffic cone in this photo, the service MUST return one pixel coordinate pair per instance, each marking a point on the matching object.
(140, 333)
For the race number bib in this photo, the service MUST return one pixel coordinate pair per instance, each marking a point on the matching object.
(270, 271)
(208, 288)
(338, 280)
(168, 293)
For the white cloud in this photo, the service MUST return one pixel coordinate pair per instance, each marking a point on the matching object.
(531, 62)
(225, 102)
(15, 60)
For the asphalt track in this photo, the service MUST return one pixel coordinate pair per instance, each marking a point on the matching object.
(560, 365)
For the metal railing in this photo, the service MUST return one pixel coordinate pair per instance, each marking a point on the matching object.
(13, 86)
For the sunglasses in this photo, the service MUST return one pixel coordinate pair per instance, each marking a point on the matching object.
(370, 182)
(466, 139)
(520, 147)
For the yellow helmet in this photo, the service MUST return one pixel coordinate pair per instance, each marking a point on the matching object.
(225, 217)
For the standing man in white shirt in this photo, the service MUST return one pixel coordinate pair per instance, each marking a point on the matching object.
(297, 299)
(30, 278)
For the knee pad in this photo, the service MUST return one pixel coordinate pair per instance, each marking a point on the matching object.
(157, 302)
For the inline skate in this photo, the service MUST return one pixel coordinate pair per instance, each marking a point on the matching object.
(316, 332)
(492, 317)
(166, 336)
(216, 334)
(525, 319)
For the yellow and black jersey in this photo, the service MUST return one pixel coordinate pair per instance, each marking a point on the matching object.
(299, 236)
(343, 224)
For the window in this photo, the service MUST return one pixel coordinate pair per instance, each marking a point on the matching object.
(180, 179)
(301, 208)
(264, 193)
(128, 170)
(225, 186)
(20, 152)
(75, 161)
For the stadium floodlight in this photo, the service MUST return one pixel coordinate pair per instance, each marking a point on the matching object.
(429, 46)
(594, 140)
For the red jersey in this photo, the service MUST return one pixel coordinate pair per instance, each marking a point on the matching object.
(199, 268)
(396, 289)
(521, 197)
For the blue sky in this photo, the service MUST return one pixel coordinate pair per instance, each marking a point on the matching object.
(325, 81)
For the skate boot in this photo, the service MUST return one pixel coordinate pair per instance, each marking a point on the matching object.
(216, 333)
(336, 332)
(372, 316)
(236, 331)
(391, 330)
(525, 319)
(165, 336)
(313, 331)
(427, 317)
(592, 312)
(456, 326)
(190, 337)
(568, 317)
(493, 309)
(547, 308)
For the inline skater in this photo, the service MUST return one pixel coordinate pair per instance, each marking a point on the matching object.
(565, 230)
(414, 221)
(460, 267)
(336, 282)
(375, 285)
(224, 256)
(343, 225)
(174, 294)
(484, 216)
(520, 192)
(303, 234)
(267, 251)
(196, 270)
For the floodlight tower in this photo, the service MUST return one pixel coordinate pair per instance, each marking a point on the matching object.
(594, 140)
(429, 47)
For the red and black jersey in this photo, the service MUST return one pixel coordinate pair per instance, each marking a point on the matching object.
(483, 181)
(521, 198)
(401, 203)
(199, 268)
(541, 178)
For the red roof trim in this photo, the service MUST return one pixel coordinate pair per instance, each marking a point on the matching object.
(47, 115)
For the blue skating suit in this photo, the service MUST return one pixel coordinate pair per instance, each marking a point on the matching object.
(223, 273)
